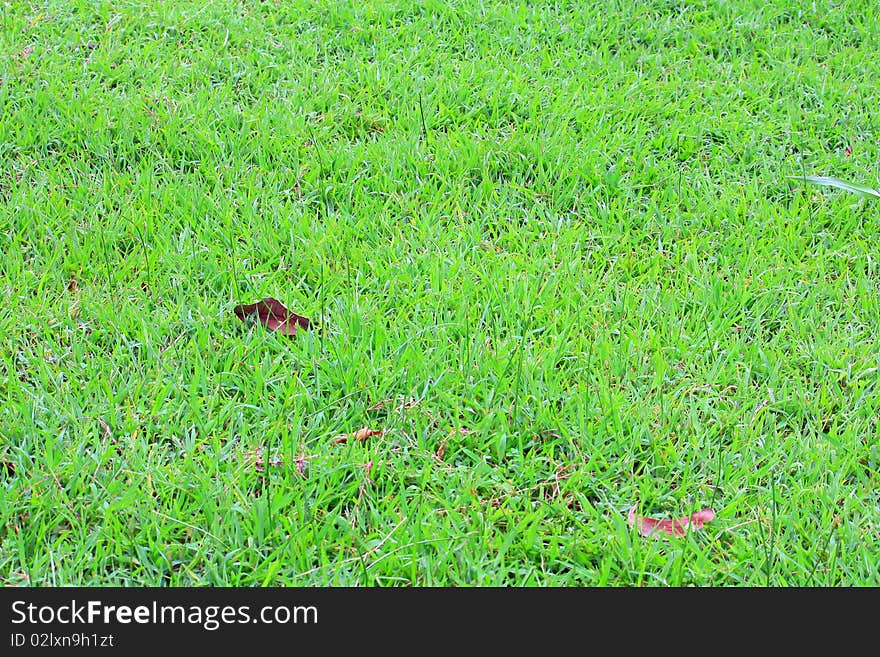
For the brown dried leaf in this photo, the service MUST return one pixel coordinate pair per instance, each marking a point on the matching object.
(8, 467)
(272, 314)
(360, 435)
(363, 434)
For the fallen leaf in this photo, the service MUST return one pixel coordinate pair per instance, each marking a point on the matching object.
(672, 527)
(360, 435)
(363, 434)
(272, 314)
(8, 467)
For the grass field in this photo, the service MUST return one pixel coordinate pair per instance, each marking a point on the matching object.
(552, 251)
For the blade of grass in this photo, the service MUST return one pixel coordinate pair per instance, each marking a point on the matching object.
(830, 181)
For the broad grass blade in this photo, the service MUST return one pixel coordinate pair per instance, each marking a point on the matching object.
(840, 184)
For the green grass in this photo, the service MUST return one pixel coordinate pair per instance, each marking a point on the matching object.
(566, 230)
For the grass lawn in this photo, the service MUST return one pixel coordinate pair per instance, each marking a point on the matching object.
(551, 250)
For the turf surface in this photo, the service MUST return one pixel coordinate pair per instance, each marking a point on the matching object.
(551, 251)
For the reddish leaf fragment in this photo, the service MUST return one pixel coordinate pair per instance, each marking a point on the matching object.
(360, 435)
(363, 434)
(848, 151)
(272, 314)
(8, 467)
(672, 527)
